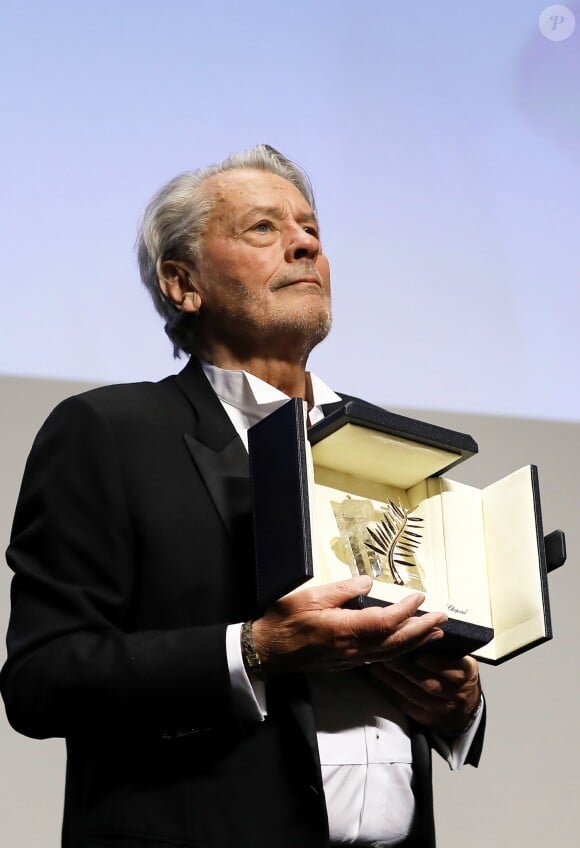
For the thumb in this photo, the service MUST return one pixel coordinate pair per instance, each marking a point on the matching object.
(337, 594)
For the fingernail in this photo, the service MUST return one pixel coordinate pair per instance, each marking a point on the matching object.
(418, 597)
(364, 583)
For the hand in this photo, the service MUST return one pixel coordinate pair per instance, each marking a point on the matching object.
(434, 690)
(309, 631)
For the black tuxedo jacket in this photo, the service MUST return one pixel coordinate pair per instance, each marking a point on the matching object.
(132, 551)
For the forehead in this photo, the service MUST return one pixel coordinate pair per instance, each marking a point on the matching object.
(239, 191)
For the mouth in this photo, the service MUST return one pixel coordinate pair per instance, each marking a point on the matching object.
(284, 284)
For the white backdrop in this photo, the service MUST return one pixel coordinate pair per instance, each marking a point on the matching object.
(444, 144)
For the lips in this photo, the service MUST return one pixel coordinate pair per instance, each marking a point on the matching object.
(305, 280)
(285, 283)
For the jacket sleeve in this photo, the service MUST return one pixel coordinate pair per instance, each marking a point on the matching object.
(74, 665)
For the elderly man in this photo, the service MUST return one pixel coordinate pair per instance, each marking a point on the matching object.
(191, 719)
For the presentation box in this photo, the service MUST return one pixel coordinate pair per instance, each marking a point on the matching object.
(362, 492)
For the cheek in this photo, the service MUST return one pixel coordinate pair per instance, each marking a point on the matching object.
(258, 273)
(323, 268)
(252, 267)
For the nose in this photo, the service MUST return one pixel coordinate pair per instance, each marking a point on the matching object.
(302, 245)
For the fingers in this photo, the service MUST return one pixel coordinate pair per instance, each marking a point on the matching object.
(336, 595)
(385, 632)
(437, 673)
(441, 664)
(330, 595)
(409, 692)
(443, 698)
(310, 630)
(372, 626)
(379, 620)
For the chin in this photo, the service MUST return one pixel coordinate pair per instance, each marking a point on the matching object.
(308, 327)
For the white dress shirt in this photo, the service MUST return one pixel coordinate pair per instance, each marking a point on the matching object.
(363, 741)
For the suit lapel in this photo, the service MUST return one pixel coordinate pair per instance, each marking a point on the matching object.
(226, 476)
(217, 451)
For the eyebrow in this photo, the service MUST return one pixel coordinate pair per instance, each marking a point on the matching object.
(277, 212)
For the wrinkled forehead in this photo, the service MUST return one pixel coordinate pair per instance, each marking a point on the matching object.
(238, 191)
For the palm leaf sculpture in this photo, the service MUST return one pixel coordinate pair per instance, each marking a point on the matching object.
(393, 538)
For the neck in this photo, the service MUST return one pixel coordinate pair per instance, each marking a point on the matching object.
(286, 376)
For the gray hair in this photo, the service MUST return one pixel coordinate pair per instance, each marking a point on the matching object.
(174, 221)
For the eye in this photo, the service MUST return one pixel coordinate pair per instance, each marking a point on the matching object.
(312, 231)
(263, 227)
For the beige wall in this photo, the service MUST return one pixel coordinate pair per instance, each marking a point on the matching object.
(523, 794)
(31, 772)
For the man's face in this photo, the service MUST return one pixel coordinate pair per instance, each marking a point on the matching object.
(263, 280)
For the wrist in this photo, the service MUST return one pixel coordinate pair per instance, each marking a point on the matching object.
(474, 714)
(468, 722)
(251, 658)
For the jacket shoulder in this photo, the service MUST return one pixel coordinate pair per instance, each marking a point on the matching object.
(123, 401)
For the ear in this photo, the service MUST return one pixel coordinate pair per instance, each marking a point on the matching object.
(176, 283)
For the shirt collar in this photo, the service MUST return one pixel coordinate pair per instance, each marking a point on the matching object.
(252, 395)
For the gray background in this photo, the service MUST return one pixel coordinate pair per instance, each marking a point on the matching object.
(524, 792)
